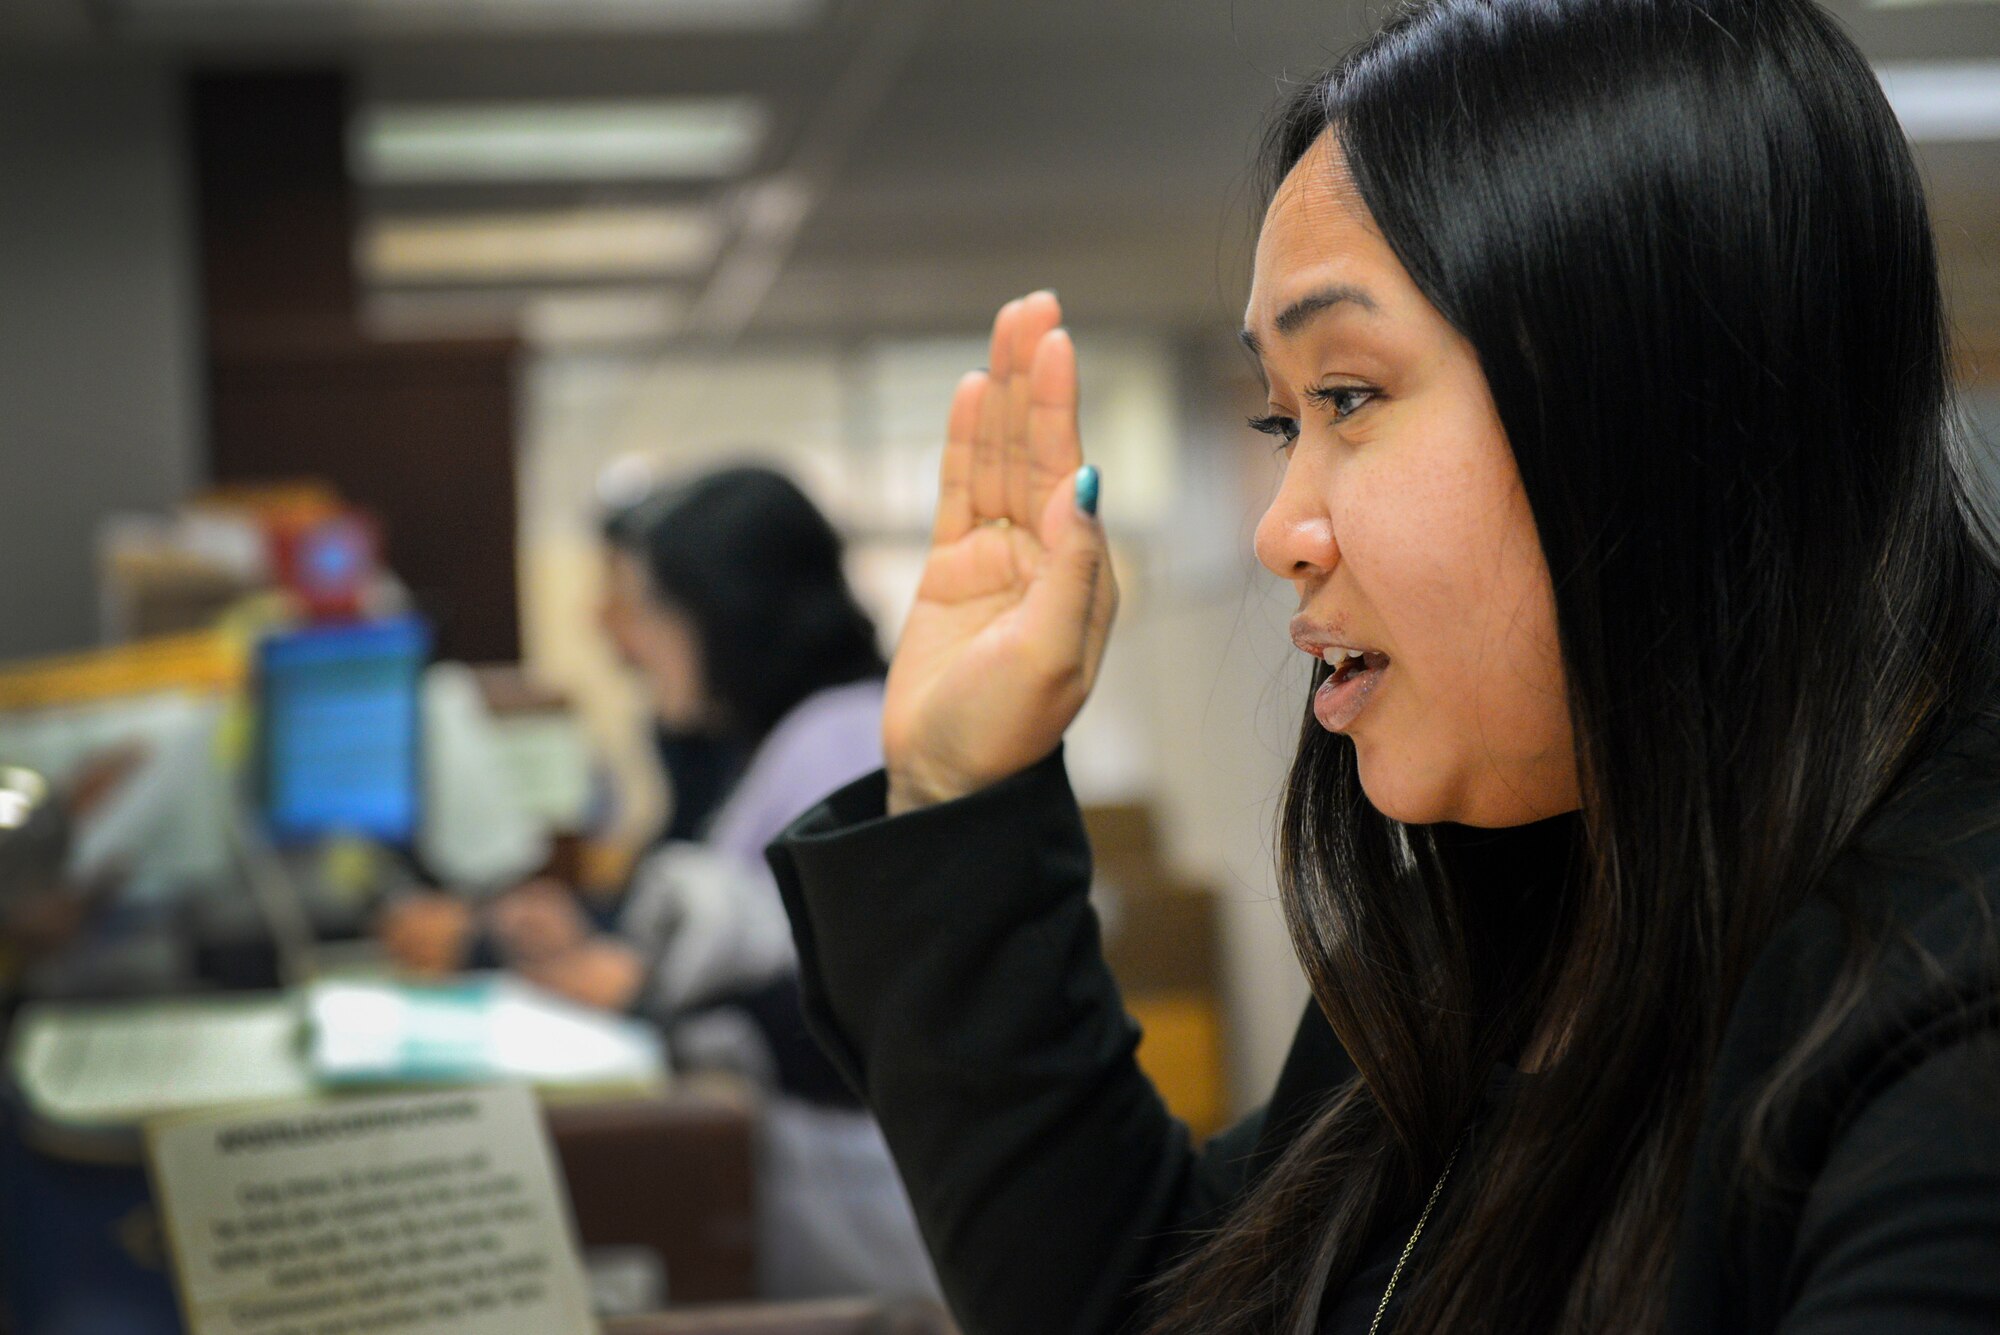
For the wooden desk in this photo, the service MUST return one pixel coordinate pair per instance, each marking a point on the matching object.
(672, 1174)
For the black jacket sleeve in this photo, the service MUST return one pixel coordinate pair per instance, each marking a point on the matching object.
(950, 963)
(1901, 1229)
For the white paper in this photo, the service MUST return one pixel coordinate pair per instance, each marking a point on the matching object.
(85, 1067)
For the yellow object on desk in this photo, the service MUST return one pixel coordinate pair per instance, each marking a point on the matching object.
(205, 663)
(1180, 1050)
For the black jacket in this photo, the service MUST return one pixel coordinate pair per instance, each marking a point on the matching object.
(951, 967)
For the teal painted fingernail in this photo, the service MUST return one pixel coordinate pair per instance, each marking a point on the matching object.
(1086, 489)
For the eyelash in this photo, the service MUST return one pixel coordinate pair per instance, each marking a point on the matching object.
(1286, 429)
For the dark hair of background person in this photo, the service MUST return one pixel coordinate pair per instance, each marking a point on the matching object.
(757, 568)
(1688, 242)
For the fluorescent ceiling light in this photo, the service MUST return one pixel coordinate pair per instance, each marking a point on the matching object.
(527, 247)
(680, 138)
(562, 319)
(582, 319)
(1944, 102)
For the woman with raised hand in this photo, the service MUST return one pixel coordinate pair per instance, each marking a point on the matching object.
(1641, 845)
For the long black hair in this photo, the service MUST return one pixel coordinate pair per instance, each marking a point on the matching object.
(1687, 240)
(757, 568)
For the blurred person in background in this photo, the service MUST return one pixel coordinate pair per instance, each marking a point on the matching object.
(726, 596)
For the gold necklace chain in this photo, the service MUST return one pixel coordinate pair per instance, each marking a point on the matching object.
(1416, 1233)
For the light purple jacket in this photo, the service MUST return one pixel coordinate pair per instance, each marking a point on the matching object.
(829, 740)
(707, 915)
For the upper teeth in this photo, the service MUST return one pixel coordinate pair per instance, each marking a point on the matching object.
(1335, 657)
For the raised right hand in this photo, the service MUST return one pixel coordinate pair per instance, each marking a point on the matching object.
(1004, 641)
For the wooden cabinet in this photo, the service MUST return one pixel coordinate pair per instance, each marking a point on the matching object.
(422, 434)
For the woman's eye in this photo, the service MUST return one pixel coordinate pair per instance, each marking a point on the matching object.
(1343, 401)
(1284, 429)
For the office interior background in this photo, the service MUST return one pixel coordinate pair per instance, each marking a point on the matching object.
(473, 263)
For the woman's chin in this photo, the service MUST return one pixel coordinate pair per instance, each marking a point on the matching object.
(1409, 794)
(1394, 788)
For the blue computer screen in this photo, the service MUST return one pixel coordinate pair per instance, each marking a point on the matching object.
(341, 730)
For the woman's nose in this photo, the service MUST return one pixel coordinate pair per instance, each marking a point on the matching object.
(1295, 536)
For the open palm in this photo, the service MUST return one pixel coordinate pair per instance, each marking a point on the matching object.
(1009, 626)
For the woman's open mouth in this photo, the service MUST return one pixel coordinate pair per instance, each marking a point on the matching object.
(1352, 677)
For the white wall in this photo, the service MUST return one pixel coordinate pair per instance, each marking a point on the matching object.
(98, 358)
(1230, 690)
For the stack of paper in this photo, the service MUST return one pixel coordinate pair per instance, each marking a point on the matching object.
(486, 1028)
(106, 1067)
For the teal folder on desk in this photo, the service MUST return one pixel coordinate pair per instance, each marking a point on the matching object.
(488, 1027)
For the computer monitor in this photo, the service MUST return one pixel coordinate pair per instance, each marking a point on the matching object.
(340, 735)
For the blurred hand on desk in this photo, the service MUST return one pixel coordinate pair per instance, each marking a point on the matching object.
(427, 934)
(538, 921)
(539, 931)
(433, 933)
(602, 972)
(543, 934)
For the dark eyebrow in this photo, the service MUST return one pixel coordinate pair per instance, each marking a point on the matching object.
(1301, 312)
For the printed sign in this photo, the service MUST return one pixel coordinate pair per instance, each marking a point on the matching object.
(433, 1214)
